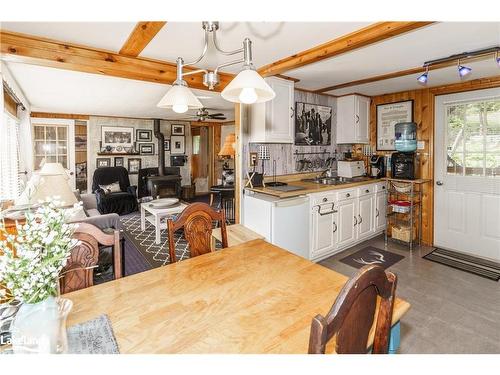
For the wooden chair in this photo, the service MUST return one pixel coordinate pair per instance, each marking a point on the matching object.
(79, 270)
(196, 219)
(353, 312)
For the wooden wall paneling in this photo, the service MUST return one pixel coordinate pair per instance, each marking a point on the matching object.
(216, 165)
(140, 37)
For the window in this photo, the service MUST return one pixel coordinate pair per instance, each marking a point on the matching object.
(196, 144)
(51, 144)
(473, 138)
(9, 158)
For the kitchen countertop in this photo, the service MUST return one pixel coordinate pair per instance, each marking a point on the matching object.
(311, 187)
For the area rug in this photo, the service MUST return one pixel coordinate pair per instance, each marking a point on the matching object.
(372, 255)
(144, 241)
(467, 263)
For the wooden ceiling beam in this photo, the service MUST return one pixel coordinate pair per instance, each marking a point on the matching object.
(360, 38)
(50, 53)
(140, 37)
(70, 116)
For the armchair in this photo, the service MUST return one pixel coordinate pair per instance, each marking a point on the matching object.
(122, 202)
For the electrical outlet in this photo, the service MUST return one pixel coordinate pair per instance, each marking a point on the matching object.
(252, 160)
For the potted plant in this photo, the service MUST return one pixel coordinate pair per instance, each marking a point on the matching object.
(30, 268)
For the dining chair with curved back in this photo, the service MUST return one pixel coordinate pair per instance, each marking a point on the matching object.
(79, 270)
(197, 222)
(353, 312)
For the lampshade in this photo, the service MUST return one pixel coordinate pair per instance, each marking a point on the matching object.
(41, 187)
(52, 169)
(180, 98)
(228, 147)
(248, 87)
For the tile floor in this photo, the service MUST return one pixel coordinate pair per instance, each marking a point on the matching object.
(452, 311)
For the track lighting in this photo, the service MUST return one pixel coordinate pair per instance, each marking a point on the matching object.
(498, 59)
(463, 70)
(422, 79)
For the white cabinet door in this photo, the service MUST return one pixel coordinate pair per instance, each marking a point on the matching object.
(366, 216)
(362, 119)
(324, 231)
(380, 211)
(347, 217)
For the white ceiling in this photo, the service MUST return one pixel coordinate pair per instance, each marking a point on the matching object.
(271, 41)
(64, 91)
(407, 51)
(103, 35)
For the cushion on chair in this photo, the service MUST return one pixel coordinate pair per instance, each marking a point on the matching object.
(111, 188)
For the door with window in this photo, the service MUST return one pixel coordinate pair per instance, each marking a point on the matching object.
(467, 173)
(53, 142)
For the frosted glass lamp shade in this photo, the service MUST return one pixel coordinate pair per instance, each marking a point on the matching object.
(179, 99)
(248, 87)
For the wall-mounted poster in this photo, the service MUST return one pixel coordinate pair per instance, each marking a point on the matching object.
(177, 144)
(313, 124)
(117, 136)
(389, 115)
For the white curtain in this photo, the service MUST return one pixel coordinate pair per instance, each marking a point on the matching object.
(9, 157)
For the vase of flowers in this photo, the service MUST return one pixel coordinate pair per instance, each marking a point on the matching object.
(30, 268)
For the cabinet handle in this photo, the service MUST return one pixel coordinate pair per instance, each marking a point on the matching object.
(335, 227)
(357, 119)
(292, 111)
(325, 199)
(360, 219)
(377, 212)
(367, 191)
(332, 211)
(348, 195)
(355, 221)
(383, 187)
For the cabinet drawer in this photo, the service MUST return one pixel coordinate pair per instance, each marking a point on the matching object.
(347, 194)
(380, 186)
(323, 198)
(366, 190)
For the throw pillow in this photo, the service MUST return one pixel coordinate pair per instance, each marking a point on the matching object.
(111, 188)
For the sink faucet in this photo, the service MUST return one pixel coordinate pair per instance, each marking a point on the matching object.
(326, 173)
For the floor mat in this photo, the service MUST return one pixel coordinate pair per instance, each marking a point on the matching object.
(372, 255)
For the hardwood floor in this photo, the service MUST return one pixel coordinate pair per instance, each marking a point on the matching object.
(452, 311)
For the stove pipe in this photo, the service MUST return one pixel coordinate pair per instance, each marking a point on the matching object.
(161, 147)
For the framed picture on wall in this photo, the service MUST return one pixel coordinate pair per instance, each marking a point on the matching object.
(143, 135)
(134, 164)
(103, 162)
(167, 144)
(178, 129)
(313, 124)
(178, 144)
(117, 136)
(119, 162)
(388, 115)
(147, 148)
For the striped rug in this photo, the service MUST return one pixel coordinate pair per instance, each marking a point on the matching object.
(467, 263)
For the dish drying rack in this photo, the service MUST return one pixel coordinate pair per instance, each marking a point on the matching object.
(323, 160)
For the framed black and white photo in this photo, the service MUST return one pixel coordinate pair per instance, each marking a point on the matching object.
(313, 124)
(388, 115)
(147, 148)
(143, 135)
(117, 136)
(119, 161)
(134, 164)
(178, 144)
(177, 129)
(167, 144)
(102, 162)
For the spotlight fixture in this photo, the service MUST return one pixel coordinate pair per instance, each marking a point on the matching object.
(498, 59)
(463, 70)
(422, 79)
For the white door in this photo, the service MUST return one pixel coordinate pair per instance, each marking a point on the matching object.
(365, 216)
(467, 173)
(362, 119)
(324, 230)
(347, 217)
(380, 211)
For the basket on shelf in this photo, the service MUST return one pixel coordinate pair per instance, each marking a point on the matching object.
(402, 207)
(402, 233)
(401, 187)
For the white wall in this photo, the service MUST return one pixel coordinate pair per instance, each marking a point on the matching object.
(94, 136)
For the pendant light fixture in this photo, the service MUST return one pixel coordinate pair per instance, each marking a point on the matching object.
(247, 87)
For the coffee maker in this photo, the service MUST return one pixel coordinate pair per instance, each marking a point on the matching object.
(377, 166)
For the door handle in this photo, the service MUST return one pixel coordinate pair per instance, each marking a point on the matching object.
(355, 221)
(335, 227)
(360, 219)
(357, 119)
(377, 212)
(439, 183)
(292, 111)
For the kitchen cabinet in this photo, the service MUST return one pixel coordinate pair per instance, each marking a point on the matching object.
(324, 229)
(380, 211)
(347, 217)
(365, 216)
(353, 119)
(272, 121)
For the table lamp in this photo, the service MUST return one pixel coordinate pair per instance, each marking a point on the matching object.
(227, 152)
(50, 182)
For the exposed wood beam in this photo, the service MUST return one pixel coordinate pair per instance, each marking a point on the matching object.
(401, 73)
(140, 37)
(360, 38)
(288, 78)
(45, 52)
(71, 116)
(314, 92)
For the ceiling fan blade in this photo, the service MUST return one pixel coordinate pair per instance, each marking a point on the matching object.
(216, 114)
(217, 118)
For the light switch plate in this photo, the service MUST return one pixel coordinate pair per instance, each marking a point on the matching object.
(420, 145)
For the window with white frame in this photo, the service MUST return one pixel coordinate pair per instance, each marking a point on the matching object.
(9, 158)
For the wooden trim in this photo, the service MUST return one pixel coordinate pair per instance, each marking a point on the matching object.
(360, 38)
(9, 103)
(476, 84)
(314, 92)
(71, 116)
(288, 78)
(50, 53)
(397, 74)
(140, 37)
(238, 178)
(352, 93)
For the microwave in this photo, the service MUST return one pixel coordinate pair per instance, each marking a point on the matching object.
(350, 169)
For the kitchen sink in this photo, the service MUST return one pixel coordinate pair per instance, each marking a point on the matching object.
(334, 180)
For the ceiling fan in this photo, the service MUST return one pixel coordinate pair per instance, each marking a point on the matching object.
(202, 114)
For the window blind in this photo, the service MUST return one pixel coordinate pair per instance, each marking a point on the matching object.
(9, 103)
(9, 158)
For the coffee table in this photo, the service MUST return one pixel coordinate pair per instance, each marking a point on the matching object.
(154, 216)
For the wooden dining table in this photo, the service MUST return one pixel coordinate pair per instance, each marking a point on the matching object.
(250, 298)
